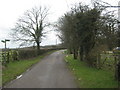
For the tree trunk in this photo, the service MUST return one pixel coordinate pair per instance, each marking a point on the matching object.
(75, 53)
(98, 61)
(71, 51)
(38, 48)
(81, 53)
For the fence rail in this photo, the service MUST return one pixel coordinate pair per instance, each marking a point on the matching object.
(108, 60)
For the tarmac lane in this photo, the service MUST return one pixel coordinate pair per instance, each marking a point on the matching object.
(50, 72)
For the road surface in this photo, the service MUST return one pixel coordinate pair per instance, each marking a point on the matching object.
(50, 72)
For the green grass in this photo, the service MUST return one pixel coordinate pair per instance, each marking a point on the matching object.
(87, 77)
(15, 68)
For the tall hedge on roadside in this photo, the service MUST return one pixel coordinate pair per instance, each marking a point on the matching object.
(29, 53)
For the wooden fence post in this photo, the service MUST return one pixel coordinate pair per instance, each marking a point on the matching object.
(115, 63)
(7, 57)
(98, 61)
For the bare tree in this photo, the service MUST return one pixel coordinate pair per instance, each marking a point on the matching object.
(29, 28)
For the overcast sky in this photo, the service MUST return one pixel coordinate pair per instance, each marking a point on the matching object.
(11, 10)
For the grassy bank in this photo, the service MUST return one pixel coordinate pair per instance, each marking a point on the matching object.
(87, 77)
(15, 68)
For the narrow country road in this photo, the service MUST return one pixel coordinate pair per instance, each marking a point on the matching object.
(50, 72)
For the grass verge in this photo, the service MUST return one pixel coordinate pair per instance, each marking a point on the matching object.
(16, 68)
(87, 77)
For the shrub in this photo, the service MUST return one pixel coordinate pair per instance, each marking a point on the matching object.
(28, 53)
(94, 58)
(14, 55)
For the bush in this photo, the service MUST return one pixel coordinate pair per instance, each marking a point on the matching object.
(93, 57)
(14, 55)
(21, 54)
(28, 53)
